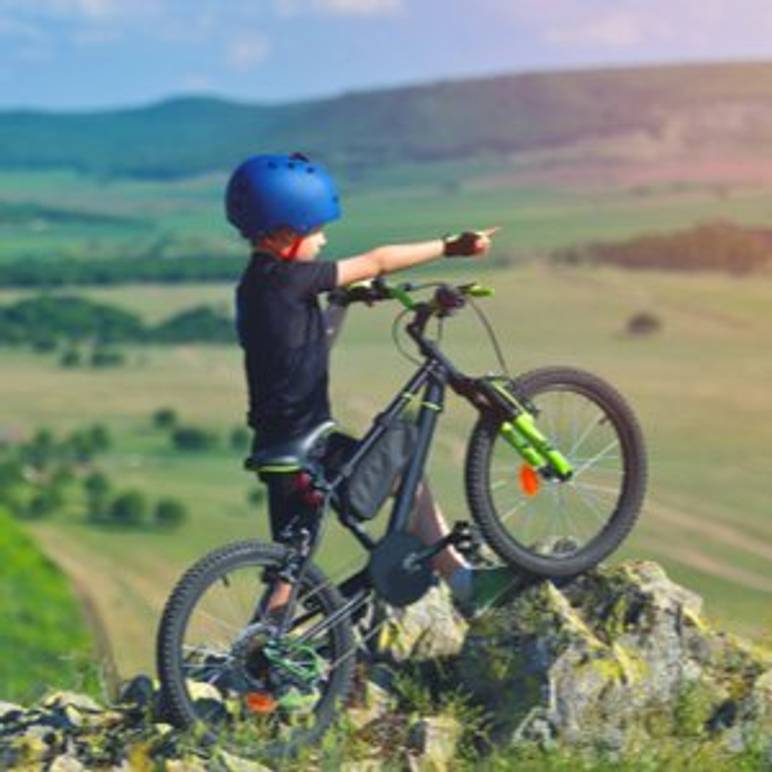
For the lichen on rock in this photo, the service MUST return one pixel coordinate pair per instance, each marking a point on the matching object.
(619, 661)
(601, 656)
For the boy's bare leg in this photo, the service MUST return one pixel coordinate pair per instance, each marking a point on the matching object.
(429, 526)
(279, 597)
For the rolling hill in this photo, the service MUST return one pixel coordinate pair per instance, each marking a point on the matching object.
(660, 112)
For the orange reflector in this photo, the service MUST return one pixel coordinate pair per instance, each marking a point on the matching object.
(529, 480)
(260, 702)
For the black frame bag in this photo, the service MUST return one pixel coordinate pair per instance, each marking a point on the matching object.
(373, 478)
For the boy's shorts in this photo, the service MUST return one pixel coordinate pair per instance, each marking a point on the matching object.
(286, 509)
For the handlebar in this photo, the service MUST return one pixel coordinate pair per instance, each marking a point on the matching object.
(447, 297)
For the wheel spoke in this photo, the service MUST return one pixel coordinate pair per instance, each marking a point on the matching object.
(572, 511)
(595, 511)
(592, 487)
(594, 422)
(587, 464)
(519, 505)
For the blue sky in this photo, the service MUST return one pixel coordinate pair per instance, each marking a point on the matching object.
(77, 54)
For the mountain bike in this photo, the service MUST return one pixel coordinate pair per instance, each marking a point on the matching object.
(555, 474)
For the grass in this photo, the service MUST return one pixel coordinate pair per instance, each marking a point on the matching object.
(42, 618)
(699, 388)
(185, 216)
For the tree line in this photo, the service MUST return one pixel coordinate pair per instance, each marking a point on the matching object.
(46, 474)
(37, 272)
(719, 246)
(42, 475)
(45, 321)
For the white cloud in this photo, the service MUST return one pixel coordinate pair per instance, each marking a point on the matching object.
(97, 9)
(19, 30)
(33, 54)
(245, 52)
(616, 29)
(618, 24)
(197, 83)
(339, 7)
(96, 36)
(359, 7)
(86, 12)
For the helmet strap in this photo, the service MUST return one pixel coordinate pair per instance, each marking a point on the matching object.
(290, 253)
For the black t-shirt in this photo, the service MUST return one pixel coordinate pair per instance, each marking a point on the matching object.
(281, 329)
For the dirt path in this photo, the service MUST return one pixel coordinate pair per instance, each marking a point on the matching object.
(717, 532)
(102, 645)
(645, 297)
(123, 603)
(692, 557)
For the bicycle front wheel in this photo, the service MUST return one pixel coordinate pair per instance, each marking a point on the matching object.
(228, 674)
(537, 522)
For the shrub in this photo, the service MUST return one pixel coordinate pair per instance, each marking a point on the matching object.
(190, 438)
(43, 503)
(44, 344)
(256, 496)
(170, 513)
(70, 358)
(105, 357)
(99, 437)
(97, 487)
(643, 323)
(129, 508)
(41, 450)
(710, 246)
(239, 439)
(165, 418)
(197, 324)
(79, 446)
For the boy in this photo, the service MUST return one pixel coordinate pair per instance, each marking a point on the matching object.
(280, 204)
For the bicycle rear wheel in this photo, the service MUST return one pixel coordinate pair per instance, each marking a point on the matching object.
(539, 523)
(225, 673)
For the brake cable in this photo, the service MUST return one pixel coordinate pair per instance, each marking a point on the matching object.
(480, 314)
(492, 335)
(395, 338)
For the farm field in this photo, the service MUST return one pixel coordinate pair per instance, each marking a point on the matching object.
(700, 388)
(71, 216)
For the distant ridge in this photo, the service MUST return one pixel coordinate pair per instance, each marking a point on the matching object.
(672, 109)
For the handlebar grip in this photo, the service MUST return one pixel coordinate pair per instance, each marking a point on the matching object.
(448, 299)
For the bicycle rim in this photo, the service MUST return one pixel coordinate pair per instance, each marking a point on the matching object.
(547, 516)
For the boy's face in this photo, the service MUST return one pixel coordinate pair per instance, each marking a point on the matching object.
(312, 245)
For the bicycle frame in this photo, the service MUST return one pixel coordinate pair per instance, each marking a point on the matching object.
(435, 374)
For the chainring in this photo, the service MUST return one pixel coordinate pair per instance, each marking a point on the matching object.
(397, 579)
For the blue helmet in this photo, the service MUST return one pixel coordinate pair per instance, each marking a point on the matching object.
(271, 191)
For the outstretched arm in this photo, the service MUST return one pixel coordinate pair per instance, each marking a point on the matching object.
(395, 257)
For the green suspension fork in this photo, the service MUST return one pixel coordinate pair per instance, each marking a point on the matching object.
(524, 436)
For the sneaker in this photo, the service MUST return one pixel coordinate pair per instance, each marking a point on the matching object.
(491, 588)
(299, 701)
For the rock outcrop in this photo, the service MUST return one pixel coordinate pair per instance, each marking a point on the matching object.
(618, 660)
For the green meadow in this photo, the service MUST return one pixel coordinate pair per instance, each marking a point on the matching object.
(42, 619)
(140, 218)
(700, 386)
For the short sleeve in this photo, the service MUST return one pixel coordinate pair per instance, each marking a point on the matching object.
(312, 277)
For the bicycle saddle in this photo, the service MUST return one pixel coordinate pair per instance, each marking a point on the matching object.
(288, 456)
